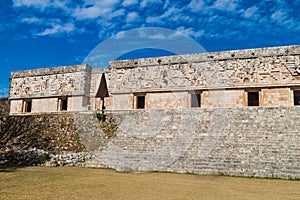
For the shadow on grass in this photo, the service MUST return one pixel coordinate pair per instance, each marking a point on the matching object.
(13, 160)
(7, 167)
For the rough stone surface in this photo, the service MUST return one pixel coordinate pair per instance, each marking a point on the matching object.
(4, 105)
(44, 88)
(52, 133)
(267, 67)
(66, 139)
(274, 72)
(224, 136)
(217, 75)
(43, 158)
(48, 82)
(258, 142)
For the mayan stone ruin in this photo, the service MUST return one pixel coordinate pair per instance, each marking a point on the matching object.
(266, 77)
(232, 112)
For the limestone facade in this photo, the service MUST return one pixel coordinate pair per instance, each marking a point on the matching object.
(50, 89)
(266, 77)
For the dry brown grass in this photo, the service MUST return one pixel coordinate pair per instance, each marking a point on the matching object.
(84, 183)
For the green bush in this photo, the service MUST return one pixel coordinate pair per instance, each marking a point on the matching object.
(43, 159)
(101, 116)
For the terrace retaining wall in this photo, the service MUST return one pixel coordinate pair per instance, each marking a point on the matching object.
(258, 142)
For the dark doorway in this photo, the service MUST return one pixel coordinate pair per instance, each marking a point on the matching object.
(195, 100)
(28, 106)
(296, 97)
(140, 102)
(64, 104)
(253, 98)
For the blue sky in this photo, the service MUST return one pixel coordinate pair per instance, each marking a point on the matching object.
(45, 33)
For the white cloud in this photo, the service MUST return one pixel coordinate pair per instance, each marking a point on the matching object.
(58, 29)
(120, 35)
(279, 16)
(285, 20)
(111, 16)
(40, 4)
(250, 11)
(43, 4)
(151, 20)
(159, 19)
(144, 3)
(116, 13)
(32, 20)
(158, 36)
(226, 5)
(196, 5)
(129, 2)
(89, 13)
(131, 17)
(166, 4)
(60, 4)
(96, 9)
(190, 32)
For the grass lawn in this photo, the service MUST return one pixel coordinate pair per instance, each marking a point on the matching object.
(87, 183)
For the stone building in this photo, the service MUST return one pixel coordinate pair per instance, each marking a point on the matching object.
(266, 77)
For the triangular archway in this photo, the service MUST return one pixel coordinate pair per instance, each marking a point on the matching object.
(102, 91)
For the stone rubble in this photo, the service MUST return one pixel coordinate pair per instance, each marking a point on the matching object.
(38, 157)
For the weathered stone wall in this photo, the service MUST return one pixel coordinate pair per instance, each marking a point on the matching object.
(241, 68)
(68, 139)
(223, 98)
(4, 105)
(238, 71)
(47, 82)
(54, 133)
(123, 102)
(45, 86)
(168, 100)
(259, 142)
(277, 97)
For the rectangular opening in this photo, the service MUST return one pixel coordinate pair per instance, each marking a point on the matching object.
(253, 98)
(195, 100)
(140, 102)
(63, 104)
(296, 97)
(27, 105)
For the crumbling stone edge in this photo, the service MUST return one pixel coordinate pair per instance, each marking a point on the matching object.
(38, 157)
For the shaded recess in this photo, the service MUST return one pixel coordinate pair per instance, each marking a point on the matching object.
(102, 91)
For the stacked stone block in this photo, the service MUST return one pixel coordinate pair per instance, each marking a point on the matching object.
(256, 142)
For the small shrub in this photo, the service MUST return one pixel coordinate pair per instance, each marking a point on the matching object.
(101, 116)
(43, 159)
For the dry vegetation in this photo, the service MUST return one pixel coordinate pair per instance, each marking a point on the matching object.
(84, 183)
